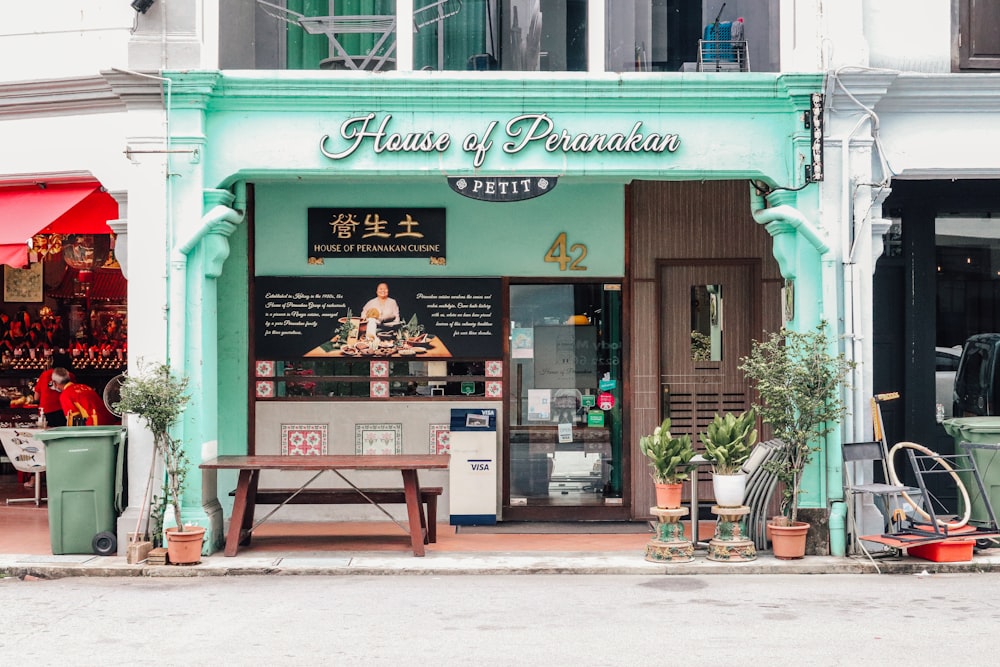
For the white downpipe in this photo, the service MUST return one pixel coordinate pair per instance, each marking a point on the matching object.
(853, 424)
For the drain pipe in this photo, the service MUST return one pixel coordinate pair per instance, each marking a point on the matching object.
(210, 222)
(784, 214)
(779, 221)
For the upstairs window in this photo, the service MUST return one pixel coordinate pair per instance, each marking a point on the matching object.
(978, 35)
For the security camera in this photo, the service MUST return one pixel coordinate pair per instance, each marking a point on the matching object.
(142, 5)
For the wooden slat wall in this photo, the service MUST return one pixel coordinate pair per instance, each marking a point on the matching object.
(682, 220)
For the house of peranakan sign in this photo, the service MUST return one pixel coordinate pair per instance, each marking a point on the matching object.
(376, 232)
(375, 132)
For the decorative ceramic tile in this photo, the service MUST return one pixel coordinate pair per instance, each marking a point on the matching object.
(378, 438)
(265, 369)
(265, 388)
(440, 439)
(304, 439)
(494, 389)
(379, 389)
(494, 369)
(379, 369)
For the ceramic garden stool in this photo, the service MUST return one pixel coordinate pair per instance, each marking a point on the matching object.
(729, 543)
(670, 544)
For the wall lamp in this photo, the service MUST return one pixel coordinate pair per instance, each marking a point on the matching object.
(142, 5)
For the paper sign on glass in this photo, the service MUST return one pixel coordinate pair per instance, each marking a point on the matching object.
(539, 404)
(565, 433)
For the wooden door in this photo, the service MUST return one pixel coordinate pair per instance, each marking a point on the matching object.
(709, 313)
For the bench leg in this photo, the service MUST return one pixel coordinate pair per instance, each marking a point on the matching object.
(414, 511)
(432, 506)
(243, 508)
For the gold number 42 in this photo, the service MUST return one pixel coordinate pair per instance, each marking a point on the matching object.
(557, 253)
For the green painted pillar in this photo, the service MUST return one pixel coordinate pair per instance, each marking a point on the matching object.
(205, 252)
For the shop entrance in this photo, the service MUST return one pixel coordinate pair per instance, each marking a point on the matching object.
(707, 314)
(564, 430)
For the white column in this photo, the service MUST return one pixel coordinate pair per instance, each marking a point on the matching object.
(595, 35)
(404, 35)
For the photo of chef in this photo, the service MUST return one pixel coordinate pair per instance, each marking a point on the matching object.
(382, 308)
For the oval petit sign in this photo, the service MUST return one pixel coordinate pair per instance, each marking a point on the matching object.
(502, 188)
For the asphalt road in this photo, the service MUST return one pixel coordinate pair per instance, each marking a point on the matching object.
(504, 620)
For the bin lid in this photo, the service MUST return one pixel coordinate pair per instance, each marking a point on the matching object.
(78, 432)
(977, 430)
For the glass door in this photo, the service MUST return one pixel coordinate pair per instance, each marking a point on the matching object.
(563, 441)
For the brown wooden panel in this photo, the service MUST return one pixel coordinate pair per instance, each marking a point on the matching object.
(687, 221)
(695, 220)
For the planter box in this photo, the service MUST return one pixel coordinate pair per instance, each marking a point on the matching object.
(949, 551)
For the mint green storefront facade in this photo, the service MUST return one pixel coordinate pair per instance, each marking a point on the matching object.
(638, 184)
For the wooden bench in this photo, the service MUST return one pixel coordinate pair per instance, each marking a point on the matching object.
(242, 525)
(348, 496)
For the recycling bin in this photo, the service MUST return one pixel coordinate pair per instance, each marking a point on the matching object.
(83, 466)
(979, 431)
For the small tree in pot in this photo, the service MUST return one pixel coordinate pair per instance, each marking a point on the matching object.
(799, 383)
(157, 398)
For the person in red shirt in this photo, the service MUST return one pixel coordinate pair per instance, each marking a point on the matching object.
(80, 403)
(45, 394)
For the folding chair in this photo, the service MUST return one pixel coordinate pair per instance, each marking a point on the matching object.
(27, 455)
(873, 453)
(761, 482)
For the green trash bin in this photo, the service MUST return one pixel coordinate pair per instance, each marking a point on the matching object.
(979, 431)
(83, 466)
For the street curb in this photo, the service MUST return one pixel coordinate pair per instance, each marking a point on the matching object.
(546, 563)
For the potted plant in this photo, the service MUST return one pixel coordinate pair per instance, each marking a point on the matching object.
(670, 458)
(728, 441)
(157, 398)
(799, 385)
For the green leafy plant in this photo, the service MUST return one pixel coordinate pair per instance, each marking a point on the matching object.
(346, 328)
(669, 456)
(799, 383)
(411, 329)
(701, 346)
(157, 398)
(728, 441)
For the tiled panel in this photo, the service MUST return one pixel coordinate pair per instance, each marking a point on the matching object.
(304, 439)
(440, 440)
(265, 388)
(378, 438)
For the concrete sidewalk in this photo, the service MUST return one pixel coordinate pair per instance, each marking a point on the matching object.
(451, 563)
(379, 548)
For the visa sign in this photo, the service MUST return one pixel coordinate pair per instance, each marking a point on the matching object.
(480, 465)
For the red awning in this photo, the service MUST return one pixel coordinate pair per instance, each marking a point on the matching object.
(70, 208)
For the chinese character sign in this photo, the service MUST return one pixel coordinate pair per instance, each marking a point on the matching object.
(376, 232)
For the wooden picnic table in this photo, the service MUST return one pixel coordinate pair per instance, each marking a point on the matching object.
(249, 467)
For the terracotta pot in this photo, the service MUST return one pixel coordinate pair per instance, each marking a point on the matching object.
(668, 496)
(729, 489)
(788, 542)
(184, 545)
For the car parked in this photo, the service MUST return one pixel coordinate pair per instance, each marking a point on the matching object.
(945, 366)
(977, 382)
